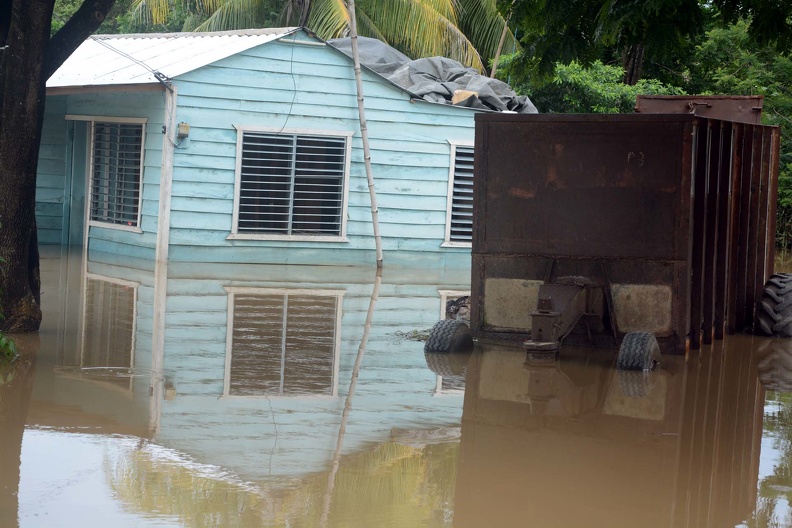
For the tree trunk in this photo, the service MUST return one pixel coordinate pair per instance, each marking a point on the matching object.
(632, 61)
(27, 58)
(21, 118)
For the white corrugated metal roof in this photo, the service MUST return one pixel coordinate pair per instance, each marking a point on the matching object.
(105, 60)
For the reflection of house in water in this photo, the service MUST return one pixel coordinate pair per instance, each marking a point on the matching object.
(278, 344)
(97, 328)
(256, 361)
(576, 444)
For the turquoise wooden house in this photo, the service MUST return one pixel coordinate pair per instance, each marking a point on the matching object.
(245, 147)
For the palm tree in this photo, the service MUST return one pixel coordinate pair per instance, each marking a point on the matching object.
(465, 30)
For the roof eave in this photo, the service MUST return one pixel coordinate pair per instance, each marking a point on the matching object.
(105, 88)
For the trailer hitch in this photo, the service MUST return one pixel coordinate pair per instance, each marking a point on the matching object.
(563, 305)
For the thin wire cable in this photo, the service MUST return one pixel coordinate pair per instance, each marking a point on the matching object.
(161, 77)
(294, 85)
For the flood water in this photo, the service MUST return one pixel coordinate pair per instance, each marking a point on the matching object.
(224, 396)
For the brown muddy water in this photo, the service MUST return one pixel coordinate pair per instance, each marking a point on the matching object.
(224, 396)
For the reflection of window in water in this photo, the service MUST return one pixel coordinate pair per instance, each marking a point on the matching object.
(109, 332)
(106, 335)
(450, 370)
(282, 343)
(450, 295)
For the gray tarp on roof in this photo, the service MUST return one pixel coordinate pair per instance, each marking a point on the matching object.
(436, 78)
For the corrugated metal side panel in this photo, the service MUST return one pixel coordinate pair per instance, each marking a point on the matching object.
(410, 153)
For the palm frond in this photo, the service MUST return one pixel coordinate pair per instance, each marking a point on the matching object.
(483, 25)
(147, 12)
(446, 8)
(232, 14)
(419, 30)
(209, 6)
(329, 19)
(367, 28)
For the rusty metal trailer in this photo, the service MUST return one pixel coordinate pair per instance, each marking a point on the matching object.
(671, 216)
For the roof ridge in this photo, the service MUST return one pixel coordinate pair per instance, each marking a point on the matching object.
(200, 34)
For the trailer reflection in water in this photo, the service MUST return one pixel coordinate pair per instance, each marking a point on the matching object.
(581, 444)
(272, 396)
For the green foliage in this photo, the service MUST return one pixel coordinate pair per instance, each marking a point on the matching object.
(117, 20)
(730, 62)
(8, 351)
(554, 33)
(597, 88)
(63, 10)
(164, 16)
(466, 30)
(658, 32)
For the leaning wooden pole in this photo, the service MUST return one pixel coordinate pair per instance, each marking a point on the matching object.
(331, 477)
(364, 130)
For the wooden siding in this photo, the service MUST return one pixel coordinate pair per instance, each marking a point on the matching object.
(409, 148)
(53, 170)
(50, 180)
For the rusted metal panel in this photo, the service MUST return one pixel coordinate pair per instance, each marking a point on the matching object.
(753, 226)
(736, 108)
(710, 245)
(640, 204)
(775, 147)
(699, 224)
(743, 212)
(723, 241)
(762, 232)
(738, 146)
(601, 188)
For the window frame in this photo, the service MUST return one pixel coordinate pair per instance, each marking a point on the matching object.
(447, 242)
(232, 291)
(88, 208)
(342, 236)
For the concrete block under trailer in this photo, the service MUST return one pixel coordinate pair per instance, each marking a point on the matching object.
(601, 229)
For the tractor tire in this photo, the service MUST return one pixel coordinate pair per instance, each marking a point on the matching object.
(449, 335)
(638, 351)
(774, 309)
(774, 363)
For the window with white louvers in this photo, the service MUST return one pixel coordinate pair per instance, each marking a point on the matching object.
(460, 214)
(116, 169)
(291, 184)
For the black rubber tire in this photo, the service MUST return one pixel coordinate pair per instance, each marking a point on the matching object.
(633, 383)
(774, 364)
(447, 365)
(638, 351)
(449, 335)
(774, 309)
